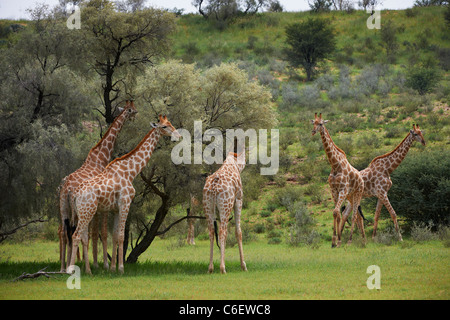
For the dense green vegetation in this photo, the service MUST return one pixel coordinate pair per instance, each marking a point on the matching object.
(372, 89)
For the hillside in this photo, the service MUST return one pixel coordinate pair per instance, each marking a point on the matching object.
(363, 94)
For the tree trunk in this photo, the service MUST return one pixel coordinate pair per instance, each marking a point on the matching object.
(152, 232)
(106, 94)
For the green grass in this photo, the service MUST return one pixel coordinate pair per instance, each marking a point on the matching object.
(413, 271)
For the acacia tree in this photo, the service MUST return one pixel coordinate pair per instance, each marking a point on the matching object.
(221, 97)
(309, 42)
(120, 43)
(222, 10)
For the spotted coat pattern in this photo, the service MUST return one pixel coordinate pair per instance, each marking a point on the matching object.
(113, 191)
(97, 159)
(377, 180)
(344, 180)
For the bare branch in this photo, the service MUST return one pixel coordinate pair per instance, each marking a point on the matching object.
(38, 274)
(6, 234)
(178, 221)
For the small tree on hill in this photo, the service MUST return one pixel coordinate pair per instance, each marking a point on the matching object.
(309, 42)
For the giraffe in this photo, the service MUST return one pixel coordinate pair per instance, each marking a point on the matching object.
(97, 159)
(224, 189)
(191, 212)
(377, 180)
(112, 191)
(344, 180)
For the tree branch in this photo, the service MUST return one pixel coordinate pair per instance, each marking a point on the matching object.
(38, 274)
(6, 234)
(178, 221)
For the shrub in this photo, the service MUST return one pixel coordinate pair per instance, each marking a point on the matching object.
(422, 232)
(287, 197)
(420, 189)
(422, 79)
(387, 237)
(302, 231)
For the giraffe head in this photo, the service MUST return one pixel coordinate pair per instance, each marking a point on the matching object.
(166, 128)
(417, 134)
(129, 110)
(318, 123)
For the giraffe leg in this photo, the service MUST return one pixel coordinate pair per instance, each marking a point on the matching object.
(94, 239)
(377, 216)
(85, 242)
(356, 200)
(62, 248)
(345, 215)
(105, 239)
(123, 214)
(223, 231)
(78, 234)
(208, 209)
(115, 242)
(337, 220)
(237, 213)
(391, 210)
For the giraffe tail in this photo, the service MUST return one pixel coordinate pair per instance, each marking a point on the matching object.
(217, 236)
(361, 214)
(214, 210)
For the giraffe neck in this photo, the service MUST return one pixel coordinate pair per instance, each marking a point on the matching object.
(334, 154)
(101, 153)
(393, 159)
(131, 164)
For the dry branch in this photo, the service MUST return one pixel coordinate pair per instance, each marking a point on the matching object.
(41, 272)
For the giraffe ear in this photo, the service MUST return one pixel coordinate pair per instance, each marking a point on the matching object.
(325, 121)
(312, 121)
(154, 125)
(120, 109)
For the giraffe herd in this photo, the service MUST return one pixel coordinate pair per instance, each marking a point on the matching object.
(100, 187)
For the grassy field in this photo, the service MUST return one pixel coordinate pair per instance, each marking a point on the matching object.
(408, 271)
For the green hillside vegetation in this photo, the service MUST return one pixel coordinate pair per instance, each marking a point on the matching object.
(365, 96)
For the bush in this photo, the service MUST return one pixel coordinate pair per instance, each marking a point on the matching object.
(302, 231)
(422, 232)
(420, 189)
(422, 79)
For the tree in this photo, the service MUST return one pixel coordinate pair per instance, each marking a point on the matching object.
(389, 40)
(222, 10)
(309, 43)
(320, 5)
(221, 97)
(120, 43)
(43, 103)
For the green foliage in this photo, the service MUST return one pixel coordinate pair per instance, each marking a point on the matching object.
(423, 79)
(309, 43)
(389, 40)
(302, 231)
(420, 189)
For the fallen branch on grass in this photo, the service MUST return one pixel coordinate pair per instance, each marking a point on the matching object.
(41, 272)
